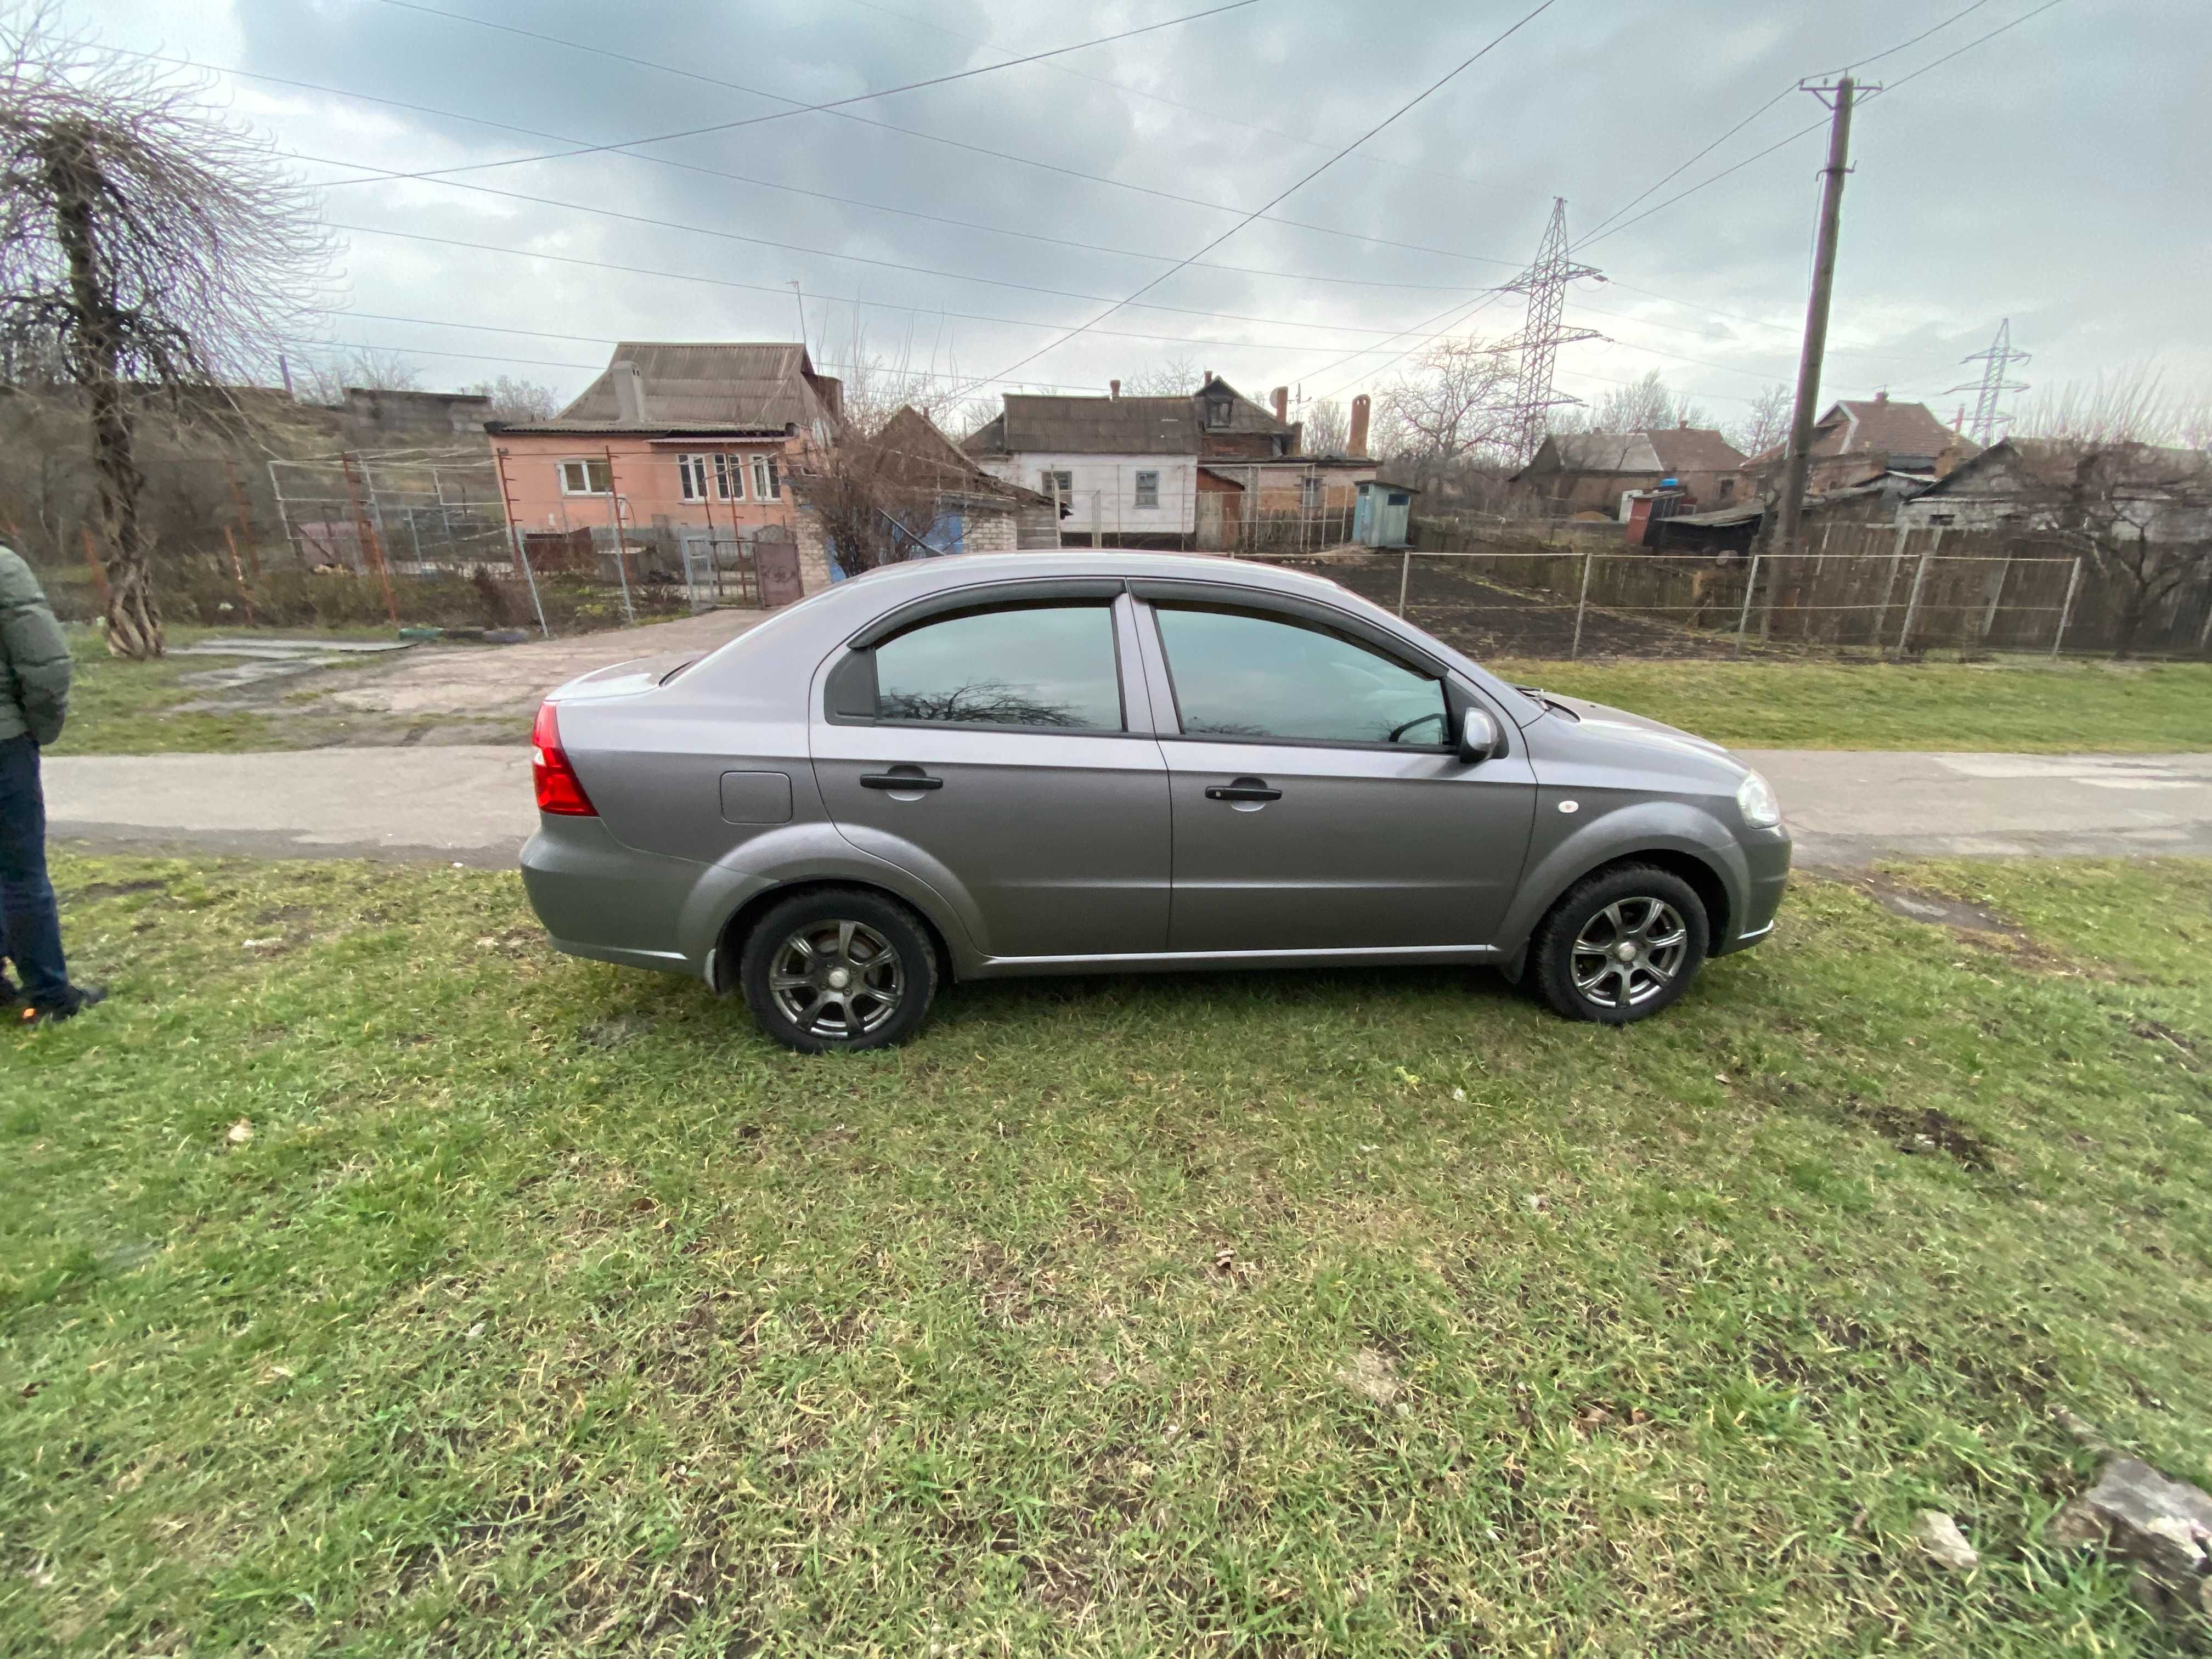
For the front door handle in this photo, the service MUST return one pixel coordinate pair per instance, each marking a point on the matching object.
(900, 781)
(1243, 789)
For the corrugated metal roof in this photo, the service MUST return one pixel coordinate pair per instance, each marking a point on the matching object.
(635, 428)
(757, 384)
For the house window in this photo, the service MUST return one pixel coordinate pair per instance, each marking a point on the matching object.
(691, 471)
(588, 478)
(1218, 411)
(1148, 489)
(729, 478)
(1060, 483)
(767, 486)
(1309, 491)
(1728, 490)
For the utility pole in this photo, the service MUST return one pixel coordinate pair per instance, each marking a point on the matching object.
(1799, 468)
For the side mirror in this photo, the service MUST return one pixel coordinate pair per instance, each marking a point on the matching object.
(1477, 736)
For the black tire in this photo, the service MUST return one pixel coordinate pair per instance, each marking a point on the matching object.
(1631, 905)
(876, 941)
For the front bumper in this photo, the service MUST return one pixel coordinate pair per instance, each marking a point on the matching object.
(1766, 855)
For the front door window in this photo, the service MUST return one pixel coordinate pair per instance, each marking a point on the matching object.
(1276, 680)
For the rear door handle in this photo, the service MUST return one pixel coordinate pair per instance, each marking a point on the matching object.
(900, 781)
(1247, 790)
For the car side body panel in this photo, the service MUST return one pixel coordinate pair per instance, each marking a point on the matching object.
(685, 770)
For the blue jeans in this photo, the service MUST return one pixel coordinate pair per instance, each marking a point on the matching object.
(30, 927)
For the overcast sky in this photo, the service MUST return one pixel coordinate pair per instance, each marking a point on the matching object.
(2052, 174)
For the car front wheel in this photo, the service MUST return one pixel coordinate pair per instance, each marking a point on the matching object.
(1620, 945)
(839, 968)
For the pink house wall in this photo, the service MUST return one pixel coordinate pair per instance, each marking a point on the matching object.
(647, 481)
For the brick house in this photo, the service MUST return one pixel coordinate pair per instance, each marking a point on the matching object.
(672, 437)
(1592, 471)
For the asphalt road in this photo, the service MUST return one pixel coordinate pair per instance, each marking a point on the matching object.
(472, 804)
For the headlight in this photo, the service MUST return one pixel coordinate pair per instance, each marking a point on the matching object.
(1755, 799)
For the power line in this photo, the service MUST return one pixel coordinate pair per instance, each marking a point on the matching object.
(850, 201)
(1158, 98)
(879, 305)
(842, 115)
(581, 339)
(1482, 52)
(855, 258)
(779, 115)
(1901, 45)
(923, 271)
(1978, 39)
(1688, 164)
(1817, 126)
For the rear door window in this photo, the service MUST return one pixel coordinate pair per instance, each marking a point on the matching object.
(1271, 678)
(1049, 667)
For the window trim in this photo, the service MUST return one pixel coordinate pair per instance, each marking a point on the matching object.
(1139, 503)
(588, 462)
(767, 481)
(856, 668)
(729, 477)
(1456, 700)
(690, 468)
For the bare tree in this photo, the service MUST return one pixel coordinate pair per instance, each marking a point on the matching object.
(1450, 407)
(1327, 429)
(324, 380)
(1767, 424)
(877, 492)
(162, 248)
(516, 399)
(2140, 515)
(1178, 377)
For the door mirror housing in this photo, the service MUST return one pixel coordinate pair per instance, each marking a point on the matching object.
(1477, 736)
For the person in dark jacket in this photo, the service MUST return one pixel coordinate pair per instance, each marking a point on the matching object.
(35, 682)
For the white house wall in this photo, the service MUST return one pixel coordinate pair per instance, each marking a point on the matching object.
(1105, 491)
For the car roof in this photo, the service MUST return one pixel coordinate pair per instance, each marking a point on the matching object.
(918, 577)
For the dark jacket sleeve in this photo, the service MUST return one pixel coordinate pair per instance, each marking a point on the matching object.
(35, 650)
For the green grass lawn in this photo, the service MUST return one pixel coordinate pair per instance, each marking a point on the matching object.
(2054, 709)
(373, 1279)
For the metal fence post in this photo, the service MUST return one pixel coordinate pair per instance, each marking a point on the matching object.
(1404, 575)
(1582, 603)
(614, 512)
(1743, 616)
(522, 558)
(2066, 610)
(1913, 603)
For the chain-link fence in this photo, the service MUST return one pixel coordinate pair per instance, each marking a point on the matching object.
(1974, 595)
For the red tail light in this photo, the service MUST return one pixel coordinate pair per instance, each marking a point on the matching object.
(559, 789)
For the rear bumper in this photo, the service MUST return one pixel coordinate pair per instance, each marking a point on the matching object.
(598, 898)
(1766, 862)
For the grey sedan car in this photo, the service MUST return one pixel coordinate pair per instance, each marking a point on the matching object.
(1082, 762)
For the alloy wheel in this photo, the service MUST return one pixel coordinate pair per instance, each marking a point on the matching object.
(1630, 951)
(837, 979)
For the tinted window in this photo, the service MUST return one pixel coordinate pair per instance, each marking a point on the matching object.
(1038, 666)
(1240, 675)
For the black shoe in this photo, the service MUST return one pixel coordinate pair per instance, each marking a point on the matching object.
(81, 997)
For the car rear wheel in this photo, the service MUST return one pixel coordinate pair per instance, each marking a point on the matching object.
(1622, 944)
(839, 968)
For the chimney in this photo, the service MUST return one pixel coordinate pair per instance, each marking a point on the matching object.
(629, 390)
(1356, 443)
(1882, 396)
(1959, 420)
(1280, 397)
(1114, 387)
